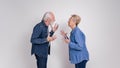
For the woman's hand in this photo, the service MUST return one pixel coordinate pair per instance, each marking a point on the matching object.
(63, 33)
(67, 41)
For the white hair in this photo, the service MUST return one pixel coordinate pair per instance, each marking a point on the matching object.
(47, 15)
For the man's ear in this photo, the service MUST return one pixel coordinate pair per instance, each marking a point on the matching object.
(46, 20)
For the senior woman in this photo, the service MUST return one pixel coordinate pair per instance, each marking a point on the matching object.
(78, 53)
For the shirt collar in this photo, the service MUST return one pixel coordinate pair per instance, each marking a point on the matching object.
(74, 29)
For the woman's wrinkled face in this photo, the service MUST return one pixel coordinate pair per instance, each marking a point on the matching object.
(70, 22)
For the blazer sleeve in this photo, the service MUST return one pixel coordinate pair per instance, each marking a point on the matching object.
(35, 36)
(79, 41)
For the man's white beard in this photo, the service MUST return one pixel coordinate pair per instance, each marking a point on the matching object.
(51, 26)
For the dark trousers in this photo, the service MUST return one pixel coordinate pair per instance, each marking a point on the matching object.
(41, 61)
(81, 64)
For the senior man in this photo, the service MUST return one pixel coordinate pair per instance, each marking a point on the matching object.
(41, 39)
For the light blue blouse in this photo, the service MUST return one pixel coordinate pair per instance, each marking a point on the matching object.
(77, 47)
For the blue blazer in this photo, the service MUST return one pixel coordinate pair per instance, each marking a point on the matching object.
(77, 46)
(40, 45)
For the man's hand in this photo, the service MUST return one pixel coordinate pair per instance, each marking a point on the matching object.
(49, 39)
(55, 27)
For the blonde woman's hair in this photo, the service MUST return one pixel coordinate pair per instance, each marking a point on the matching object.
(76, 19)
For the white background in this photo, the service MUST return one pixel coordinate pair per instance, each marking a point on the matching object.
(100, 23)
